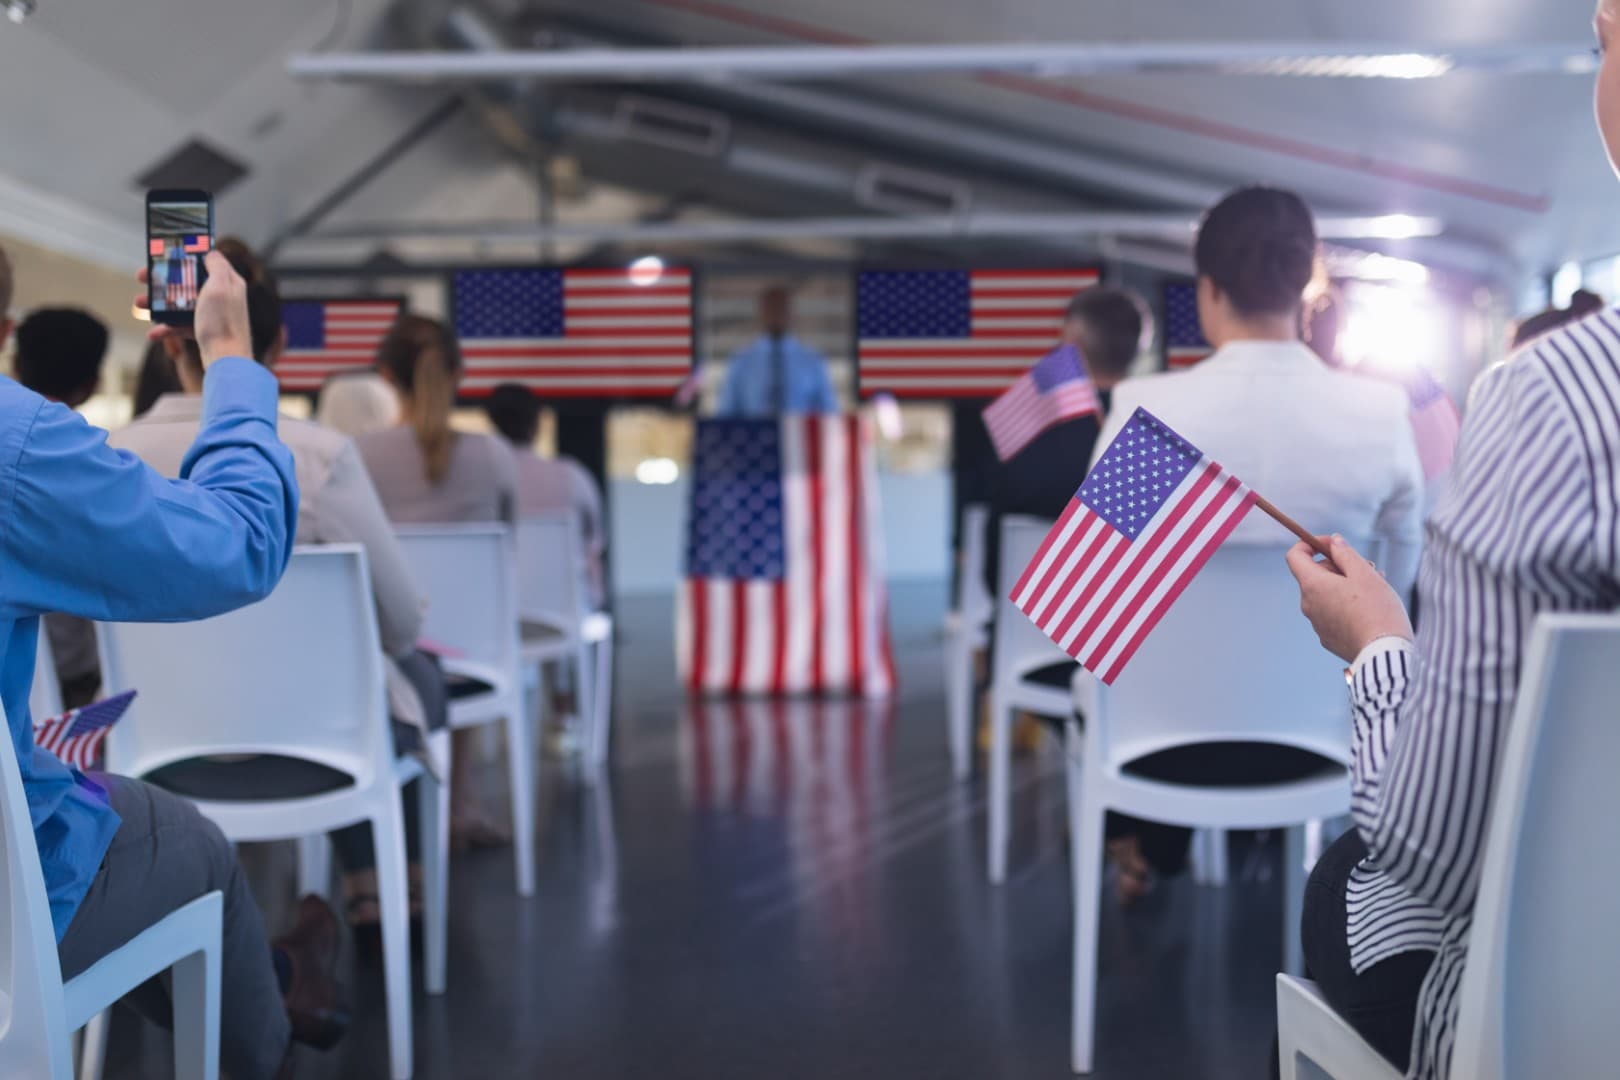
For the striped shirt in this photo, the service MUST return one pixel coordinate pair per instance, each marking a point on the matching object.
(1528, 525)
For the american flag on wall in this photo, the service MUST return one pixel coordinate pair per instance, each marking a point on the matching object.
(325, 337)
(1147, 519)
(784, 588)
(1184, 343)
(958, 333)
(76, 736)
(575, 333)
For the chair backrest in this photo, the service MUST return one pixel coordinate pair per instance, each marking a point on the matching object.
(1539, 995)
(299, 674)
(45, 697)
(33, 1018)
(1233, 660)
(467, 574)
(971, 594)
(551, 569)
(1020, 646)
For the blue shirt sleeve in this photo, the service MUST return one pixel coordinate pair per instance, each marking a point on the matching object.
(733, 400)
(92, 531)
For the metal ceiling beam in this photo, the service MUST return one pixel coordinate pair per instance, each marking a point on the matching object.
(713, 64)
(982, 224)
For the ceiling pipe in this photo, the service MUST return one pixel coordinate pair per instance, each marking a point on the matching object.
(969, 225)
(717, 64)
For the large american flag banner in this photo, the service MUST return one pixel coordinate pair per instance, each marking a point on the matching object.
(575, 333)
(784, 589)
(76, 736)
(1184, 343)
(957, 333)
(1054, 390)
(325, 337)
(1146, 520)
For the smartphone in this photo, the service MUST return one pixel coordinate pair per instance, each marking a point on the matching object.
(179, 236)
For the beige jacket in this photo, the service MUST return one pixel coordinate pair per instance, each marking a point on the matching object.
(337, 504)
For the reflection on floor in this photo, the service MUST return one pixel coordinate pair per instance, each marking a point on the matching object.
(796, 890)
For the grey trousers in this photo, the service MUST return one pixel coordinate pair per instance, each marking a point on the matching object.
(164, 855)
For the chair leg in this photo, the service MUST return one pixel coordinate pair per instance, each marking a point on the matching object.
(601, 730)
(433, 806)
(315, 866)
(393, 897)
(1216, 839)
(1000, 795)
(959, 702)
(1294, 875)
(93, 1046)
(584, 702)
(520, 763)
(1086, 816)
(195, 989)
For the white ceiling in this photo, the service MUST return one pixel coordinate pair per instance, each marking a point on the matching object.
(97, 92)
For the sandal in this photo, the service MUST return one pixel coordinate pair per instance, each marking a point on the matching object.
(1135, 876)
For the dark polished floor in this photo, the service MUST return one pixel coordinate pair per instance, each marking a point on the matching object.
(797, 891)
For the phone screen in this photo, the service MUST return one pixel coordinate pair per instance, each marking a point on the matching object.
(179, 235)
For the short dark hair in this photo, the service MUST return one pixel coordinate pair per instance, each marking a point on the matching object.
(60, 351)
(1258, 245)
(263, 296)
(1111, 324)
(1582, 304)
(515, 412)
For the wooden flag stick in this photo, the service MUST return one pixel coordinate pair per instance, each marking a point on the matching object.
(1292, 526)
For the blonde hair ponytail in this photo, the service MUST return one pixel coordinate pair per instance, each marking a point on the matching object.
(424, 361)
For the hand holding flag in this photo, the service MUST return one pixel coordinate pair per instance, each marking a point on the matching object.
(76, 736)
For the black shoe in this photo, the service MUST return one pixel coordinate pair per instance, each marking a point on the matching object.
(314, 1003)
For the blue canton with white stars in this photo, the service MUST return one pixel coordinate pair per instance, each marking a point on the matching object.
(1138, 473)
(735, 530)
(1061, 365)
(305, 321)
(509, 304)
(915, 304)
(1181, 326)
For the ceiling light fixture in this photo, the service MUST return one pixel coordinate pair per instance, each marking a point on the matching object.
(18, 10)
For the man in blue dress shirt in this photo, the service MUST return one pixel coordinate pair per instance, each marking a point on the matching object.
(777, 375)
(93, 532)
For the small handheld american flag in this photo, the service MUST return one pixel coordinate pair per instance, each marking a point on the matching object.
(1054, 390)
(1147, 519)
(76, 736)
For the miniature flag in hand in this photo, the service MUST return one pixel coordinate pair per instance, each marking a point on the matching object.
(1152, 512)
(76, 736)
(1054, 390)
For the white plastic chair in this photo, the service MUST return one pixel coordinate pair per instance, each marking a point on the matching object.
(466, 572)
(45, 696)
(1232, 661)
(298, 676)
(967, 630)
(1538, 996)
(558, 623)
(39, 1012)
(1020, 650)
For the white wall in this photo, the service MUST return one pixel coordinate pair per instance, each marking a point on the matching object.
(649, 523)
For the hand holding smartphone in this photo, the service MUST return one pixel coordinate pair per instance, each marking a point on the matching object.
(179, 236)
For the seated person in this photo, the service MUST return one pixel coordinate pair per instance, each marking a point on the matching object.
(59, 356)
(96, 534)
(338, 504)
(1107, 326)
(550, 484)
(1334, 450)
(357, 403)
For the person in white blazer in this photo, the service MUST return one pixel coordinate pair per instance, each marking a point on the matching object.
(1333, 450)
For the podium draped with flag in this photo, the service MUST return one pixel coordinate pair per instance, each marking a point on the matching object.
(784, 588)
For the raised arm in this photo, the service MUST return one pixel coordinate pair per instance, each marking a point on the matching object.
(91, 531)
